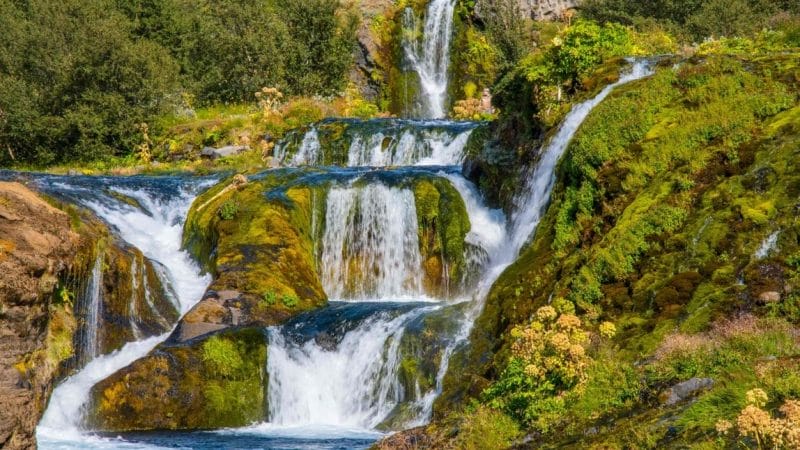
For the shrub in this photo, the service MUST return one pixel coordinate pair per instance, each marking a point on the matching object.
(228, 210)
(290, 301)
(548, 359)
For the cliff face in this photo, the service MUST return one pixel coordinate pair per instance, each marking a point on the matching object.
(36, 245)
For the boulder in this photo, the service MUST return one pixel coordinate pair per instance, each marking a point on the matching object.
(685, 390)
(37, 245)
(769, 297)
(222, 152)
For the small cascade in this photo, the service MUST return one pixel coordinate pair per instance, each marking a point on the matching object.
(345, 378)
(137, 275)
(370, 246)
(430, 58)
(92, 302)
(532, 200)
(309, 152)
(376, 143)
(153, 223)
(768, 246)
(488, 232)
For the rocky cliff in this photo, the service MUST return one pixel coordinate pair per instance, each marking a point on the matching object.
(36, 248)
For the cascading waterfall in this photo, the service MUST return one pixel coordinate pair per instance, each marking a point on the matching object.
(430, 59)
(370, 247)
(342, 372)
(377, 143)
(353, 385)
(156, 229)
(309, 152)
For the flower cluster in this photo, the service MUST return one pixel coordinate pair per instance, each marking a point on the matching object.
(552, 348)
(767, 431)
(269, 100)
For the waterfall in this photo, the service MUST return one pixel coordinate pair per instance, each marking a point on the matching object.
(93, 299)
(430, 59)
(530, 204)
(376, 143)
(156, 229)
(532, 200)
(353, 385)
(308, 153)
(370, 246)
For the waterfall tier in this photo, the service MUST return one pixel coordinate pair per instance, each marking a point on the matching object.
(430, 57)
(370, 248)
(376, 143)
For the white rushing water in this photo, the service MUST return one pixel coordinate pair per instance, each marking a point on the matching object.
(531, 201)
(354, 385)
(430, 58)
(370, 246)
(768, 245)
(93, 299)
(157, 232)
(384, 143)
(431, 148)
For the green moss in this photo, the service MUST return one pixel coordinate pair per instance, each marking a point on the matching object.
(218, 382)
(267, 247)
(443, 226)
(662, 199)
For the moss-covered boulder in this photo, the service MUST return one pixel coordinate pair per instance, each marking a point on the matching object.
(443, 226)
(209, 383)
(260, 251)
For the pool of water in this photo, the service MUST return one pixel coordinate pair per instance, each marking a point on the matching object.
(263, 436)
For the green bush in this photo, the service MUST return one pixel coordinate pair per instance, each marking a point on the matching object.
(290, 301)
(228, 210)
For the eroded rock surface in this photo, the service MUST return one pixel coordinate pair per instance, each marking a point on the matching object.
(36, 246)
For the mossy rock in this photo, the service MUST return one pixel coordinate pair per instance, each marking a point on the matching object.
(258, 248)
(215, 382)
(443, 226)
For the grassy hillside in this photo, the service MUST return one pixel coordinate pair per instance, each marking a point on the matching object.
(669, 254)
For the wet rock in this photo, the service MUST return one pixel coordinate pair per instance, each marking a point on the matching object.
(223, 152)
(212, 382)
(685, 390)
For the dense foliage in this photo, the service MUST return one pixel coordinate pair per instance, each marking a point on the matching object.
(697, 19)
(79, 78)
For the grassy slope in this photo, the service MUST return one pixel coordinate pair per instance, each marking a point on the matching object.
(665, 195)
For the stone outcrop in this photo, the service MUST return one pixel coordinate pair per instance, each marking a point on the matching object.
(538, 9)
(36, 247)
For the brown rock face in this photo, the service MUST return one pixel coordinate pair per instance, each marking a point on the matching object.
(538, 9)
(36, 243)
